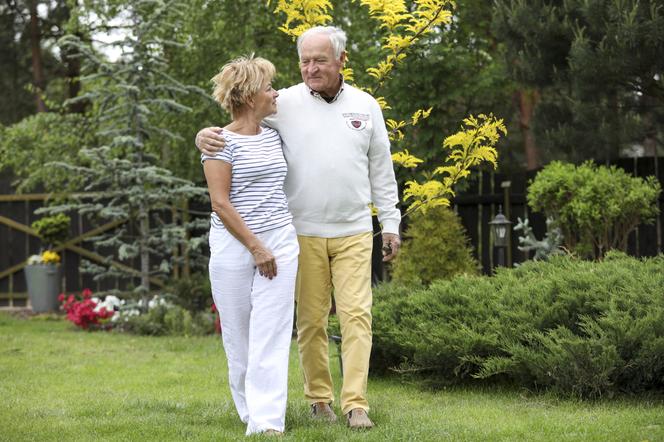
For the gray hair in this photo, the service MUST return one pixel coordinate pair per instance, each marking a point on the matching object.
(336, 35)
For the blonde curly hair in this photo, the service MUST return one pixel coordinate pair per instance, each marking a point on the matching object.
(239, 80)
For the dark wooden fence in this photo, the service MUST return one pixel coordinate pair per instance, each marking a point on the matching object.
(476, 206)
(18, 241)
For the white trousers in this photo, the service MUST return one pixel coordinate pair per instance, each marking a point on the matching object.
(257, 323)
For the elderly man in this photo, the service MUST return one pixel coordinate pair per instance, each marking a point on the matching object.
(338, 154)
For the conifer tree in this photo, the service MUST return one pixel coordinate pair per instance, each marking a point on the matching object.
(598, 67)
(122, 177)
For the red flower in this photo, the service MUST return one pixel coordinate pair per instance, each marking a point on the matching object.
(81, 311)
(61, 297)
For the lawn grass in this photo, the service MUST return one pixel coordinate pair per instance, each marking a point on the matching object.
(60, 384)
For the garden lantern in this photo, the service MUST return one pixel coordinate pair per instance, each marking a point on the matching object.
(500, 227)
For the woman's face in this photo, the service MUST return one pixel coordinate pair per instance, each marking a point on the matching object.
(265, 101)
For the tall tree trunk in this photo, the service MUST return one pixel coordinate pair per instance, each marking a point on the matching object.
(144, 228)
(528, 99)
(73, 66)
(650, 149)
(615, 119)
(37, 65)
(73, 83)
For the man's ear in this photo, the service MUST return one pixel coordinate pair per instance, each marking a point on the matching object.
(343, 58)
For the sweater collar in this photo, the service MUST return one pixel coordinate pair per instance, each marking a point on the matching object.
(327, 99)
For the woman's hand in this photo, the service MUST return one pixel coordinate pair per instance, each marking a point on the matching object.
(265, 261)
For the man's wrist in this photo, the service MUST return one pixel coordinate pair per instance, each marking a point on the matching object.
(392, 228)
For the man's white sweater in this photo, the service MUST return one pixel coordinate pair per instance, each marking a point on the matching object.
(339, 161)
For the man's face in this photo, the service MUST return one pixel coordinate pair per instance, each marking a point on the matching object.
(318, 66)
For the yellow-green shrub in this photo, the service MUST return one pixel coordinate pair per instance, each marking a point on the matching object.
(435, 246)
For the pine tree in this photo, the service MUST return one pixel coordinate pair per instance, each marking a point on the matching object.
(121, 177)
(598, 68)
(34, 69)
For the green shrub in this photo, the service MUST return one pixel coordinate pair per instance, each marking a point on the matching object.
(596, 207)
(414, 330)
(169, 320)
(29, 145)
(192, 293)
(435, 246)
(391, 346)
(582, 328)
(52, 230)
(184, 309)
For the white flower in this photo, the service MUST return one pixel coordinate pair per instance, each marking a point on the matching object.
(155, 301)
(123, 315)
(112, 301)
(34, 259)
(109, 303)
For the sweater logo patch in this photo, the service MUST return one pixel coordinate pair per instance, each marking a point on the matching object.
(356, 121)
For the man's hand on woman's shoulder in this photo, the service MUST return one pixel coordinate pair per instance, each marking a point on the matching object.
(209, 141)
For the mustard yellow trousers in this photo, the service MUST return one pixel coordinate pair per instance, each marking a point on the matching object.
(342, 264)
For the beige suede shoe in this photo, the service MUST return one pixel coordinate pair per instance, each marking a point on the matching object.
(272, 433)
(322, 411)
(358, 419)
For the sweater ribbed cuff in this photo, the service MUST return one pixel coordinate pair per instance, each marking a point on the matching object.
(390, 226)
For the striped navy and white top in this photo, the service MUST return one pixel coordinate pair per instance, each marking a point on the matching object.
(257, 180)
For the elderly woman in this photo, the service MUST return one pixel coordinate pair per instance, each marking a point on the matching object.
(253, 246)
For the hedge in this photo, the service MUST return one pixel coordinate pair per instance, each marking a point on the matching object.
(581, 328)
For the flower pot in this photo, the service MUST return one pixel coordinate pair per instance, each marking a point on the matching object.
(43, 282)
